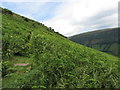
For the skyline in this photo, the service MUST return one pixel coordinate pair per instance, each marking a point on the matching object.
(68, 17)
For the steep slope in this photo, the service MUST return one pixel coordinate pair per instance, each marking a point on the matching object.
(54, 61)
(105, 40)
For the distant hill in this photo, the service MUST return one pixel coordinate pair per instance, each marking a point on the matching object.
(52, 60)
(105, 40)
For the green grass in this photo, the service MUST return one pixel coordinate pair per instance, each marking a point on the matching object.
(19, 59)
(55, 61)
(16, 72)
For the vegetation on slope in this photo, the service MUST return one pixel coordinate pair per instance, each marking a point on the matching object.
(55, 62)
(105, 40)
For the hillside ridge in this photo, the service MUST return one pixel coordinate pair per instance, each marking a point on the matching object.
(105, 40)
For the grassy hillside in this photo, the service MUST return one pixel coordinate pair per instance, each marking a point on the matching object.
(105, 40)
(54, 61)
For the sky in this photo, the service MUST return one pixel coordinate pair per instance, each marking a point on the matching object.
(68, 17)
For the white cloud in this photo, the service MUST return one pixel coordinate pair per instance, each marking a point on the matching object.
(28, 8)
(34, 0)
(78, 11)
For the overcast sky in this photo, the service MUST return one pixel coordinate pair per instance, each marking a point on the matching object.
(68, 17)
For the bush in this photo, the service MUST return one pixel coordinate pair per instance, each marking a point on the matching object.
(7, 11)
